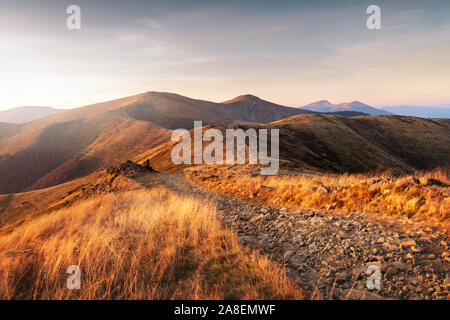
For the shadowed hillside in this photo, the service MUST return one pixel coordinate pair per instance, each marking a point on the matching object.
(71, 144)
(63, 150)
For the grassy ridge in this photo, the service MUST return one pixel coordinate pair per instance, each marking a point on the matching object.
(135, 245)
(381, 195)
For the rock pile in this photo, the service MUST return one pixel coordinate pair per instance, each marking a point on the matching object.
(128, 169)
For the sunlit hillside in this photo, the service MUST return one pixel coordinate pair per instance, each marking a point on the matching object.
(135, 245)
(423, 196)
(77, 142)
(336, 144)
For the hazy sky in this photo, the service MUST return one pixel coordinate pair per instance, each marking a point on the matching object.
(289, 52)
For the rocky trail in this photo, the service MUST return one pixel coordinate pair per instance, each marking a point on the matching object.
(330, 255)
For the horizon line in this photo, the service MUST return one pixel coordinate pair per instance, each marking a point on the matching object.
(442, 105)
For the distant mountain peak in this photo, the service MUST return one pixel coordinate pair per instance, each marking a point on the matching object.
(159, 94)
(353, 106)
(28, 113)
(244, 98)
(321, 103)
(420, 111)
(353, 103)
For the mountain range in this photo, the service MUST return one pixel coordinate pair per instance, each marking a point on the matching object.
(356, 106)
(324, 106)
(442, 111)
(26, 114)
(247, 106)
(336, 144)
(74, 143)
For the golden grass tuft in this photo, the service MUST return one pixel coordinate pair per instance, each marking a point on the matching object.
(136, 245)
(376, 194)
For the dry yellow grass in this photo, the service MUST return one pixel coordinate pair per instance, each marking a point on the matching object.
(428, 201)
(136, 245)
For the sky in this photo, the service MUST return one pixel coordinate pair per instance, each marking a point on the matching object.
(288, 52)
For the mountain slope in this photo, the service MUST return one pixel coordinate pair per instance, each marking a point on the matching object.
(328, 107)
(320, 106)
(174, 111)
(360, 107)
(66, 150)
(26, 114)
(154, 242)
(9, 129)
(73, 143)
(361, 144)
(330, 143)
(253, 109)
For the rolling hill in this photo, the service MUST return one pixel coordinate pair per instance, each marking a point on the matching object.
(254, 109)
(348, 113)
(76, 142)
(113, 213)
(362, 144)
(26, 114)
(173, 111)
(71, 144)
(330, 143)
